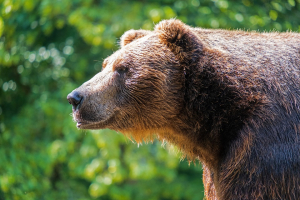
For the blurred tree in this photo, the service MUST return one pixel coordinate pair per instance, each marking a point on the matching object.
(48, 48)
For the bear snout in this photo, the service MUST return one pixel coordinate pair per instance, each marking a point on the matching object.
(75, 98)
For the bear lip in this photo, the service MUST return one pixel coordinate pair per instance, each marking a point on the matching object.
(79, 124)
(89, 125)
(84, 124)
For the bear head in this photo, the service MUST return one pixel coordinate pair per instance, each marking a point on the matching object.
(141, 88)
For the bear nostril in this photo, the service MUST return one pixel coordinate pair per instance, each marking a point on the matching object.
(75, 99)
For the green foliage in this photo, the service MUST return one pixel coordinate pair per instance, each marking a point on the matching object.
(48, 48)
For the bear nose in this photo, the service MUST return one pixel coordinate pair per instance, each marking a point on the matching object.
(75, 99)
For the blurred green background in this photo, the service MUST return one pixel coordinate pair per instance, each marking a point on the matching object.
(50, 47)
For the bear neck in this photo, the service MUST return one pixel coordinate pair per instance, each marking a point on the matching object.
(217, 105)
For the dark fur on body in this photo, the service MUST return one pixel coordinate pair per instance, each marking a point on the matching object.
(227, 98)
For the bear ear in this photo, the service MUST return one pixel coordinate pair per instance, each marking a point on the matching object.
(131, 35)
(181, 39)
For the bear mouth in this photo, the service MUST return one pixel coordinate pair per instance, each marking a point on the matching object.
(101, 123)
(82, 123)
(88, 125)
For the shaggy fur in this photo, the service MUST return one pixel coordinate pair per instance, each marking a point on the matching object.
(227, 98)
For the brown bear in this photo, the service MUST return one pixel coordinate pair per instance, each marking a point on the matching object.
(230, 99)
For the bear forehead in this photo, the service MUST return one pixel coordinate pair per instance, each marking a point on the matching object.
(143, 46)
(139, 50)
(117, 58)
(140, 42)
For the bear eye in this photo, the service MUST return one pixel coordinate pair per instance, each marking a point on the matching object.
(122, 69)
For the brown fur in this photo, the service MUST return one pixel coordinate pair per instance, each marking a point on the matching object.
(227, 98)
